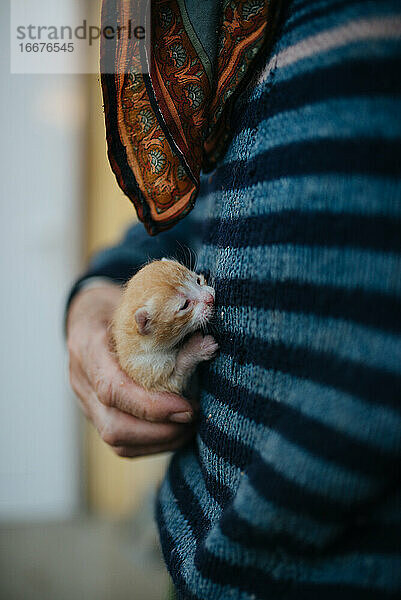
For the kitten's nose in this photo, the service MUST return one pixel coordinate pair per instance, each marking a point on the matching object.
(209, 299)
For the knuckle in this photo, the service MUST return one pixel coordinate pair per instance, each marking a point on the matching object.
(144, 413)
(74, 382)
(74, 385)
(73, 346)
(104, 390)
(110, 435)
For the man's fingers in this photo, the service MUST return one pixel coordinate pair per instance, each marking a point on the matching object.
(116, 390)
(120, 429)
(131, 398)
(134, 452)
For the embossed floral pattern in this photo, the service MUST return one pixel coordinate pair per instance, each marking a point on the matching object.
(147, 119)
(158, 161)
(194, 94)
(136, 80)
(178, 54)
(251, 8)
(166, 16)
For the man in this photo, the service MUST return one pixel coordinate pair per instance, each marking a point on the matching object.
(290, 487)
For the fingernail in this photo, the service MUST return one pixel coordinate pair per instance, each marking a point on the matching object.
(182, 417)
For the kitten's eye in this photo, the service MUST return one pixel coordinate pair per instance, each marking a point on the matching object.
(185, 305)
(198, 281)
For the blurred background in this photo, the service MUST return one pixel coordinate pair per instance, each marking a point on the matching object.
(75, 520)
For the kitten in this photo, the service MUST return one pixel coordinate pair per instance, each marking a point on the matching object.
(162, 305)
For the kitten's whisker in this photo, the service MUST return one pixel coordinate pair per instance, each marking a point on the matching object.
(193, 257)
(185, 254)
(195, 260)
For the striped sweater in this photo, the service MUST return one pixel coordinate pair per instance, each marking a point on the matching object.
(291, 488)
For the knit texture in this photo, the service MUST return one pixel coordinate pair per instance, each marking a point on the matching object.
(291, 488)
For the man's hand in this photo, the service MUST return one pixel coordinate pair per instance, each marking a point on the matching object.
(134, 422)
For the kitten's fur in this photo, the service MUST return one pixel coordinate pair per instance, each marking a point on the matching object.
(161, 306)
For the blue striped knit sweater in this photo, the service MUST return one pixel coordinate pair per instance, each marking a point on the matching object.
(291, 489)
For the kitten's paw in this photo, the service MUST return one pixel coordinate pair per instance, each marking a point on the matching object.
(208, 348)
(201, 348)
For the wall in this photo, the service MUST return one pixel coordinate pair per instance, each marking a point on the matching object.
(41, 157)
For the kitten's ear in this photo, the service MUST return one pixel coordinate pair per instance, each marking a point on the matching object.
(142, 318)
